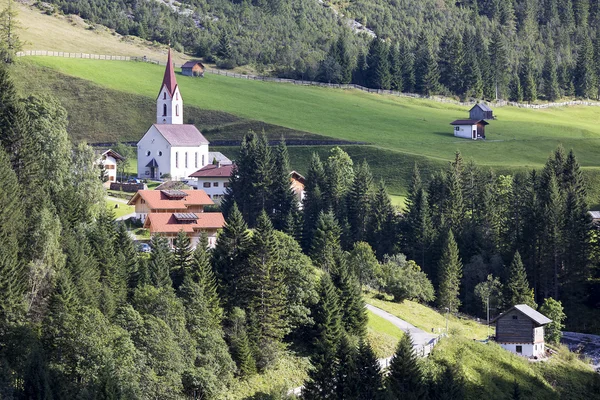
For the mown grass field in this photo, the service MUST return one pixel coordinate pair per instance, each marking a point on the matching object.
(519, 137)
(119, 209)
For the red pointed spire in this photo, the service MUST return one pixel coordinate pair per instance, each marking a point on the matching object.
(169, 78)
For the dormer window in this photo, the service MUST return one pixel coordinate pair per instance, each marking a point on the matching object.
(164, 110)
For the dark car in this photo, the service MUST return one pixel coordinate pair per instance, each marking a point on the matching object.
(144, 247)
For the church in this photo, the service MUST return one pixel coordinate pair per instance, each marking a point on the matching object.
(171, 149)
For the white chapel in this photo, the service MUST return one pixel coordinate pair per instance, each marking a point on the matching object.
(170, 147)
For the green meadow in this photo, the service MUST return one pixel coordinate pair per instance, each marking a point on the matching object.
(519, 137)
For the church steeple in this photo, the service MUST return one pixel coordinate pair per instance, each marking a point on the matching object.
(169, 104)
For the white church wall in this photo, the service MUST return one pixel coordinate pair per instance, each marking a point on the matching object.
(153, 145)
(197, 157)
(174, 107)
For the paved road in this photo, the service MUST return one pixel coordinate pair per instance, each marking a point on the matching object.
(423, 341)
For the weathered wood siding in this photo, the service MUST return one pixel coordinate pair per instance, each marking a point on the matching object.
(477, 113)
(510, 330)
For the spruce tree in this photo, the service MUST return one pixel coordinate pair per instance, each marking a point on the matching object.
(498, 64)
(517, 289)
(528, 78)
(346, 380)
(160, 262)
(450, 274)
(224, 48)
(417, 222)
(426, 71)
(230, 257)
(451, 62)
(550, 76)
(239, 343)
(472, 75)
(352, 305)
(408, 66)
(450, 384)
(265, 291)
(369, 377)
(379, 65)
(359, 201)
(382, 227)
(313, 202)
(326, 249)
(516, 90)
(585, 71)
(283, 201)
(396, 68)
(182, 259)
(405, 379)
(201, 272)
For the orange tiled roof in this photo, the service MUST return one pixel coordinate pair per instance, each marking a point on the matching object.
(157, 200)
(167, 223)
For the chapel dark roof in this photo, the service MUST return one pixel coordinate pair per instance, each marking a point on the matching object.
(214, 171)
(190, 64)
(469, 122)
(181, 134)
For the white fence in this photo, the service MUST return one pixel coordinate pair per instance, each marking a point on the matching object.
(440, 99)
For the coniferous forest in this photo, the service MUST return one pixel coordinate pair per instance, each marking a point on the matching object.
(521, 50)
(84, 315)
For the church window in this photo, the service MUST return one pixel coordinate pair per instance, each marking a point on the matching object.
(186, 165)
(176, 96)
(164, 95)
(176, 159)
(148, 153)
(196, 160)
(164, 110)
(177, 110)
(160, 153)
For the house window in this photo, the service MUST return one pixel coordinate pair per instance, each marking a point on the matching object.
(203, 160)
(515, 317)
(196, 160)
(164, 110)
(177, 110)
(519, 349)
(456, 128)
(176, 159)
(225, 184)
(206, 184)
(186, 165)
(143, 201)
(216, 184)
(111, 178)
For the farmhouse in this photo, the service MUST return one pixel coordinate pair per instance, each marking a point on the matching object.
(297, 182)
(171, 148)
(521, 330)
(192, 68)
(481, 111)
(469, 128)
(193, 224)
(108, 159)
(214, 180)
(168, 201)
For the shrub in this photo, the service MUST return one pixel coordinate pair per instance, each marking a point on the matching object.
(404, 280)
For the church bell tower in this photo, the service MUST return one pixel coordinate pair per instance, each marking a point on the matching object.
(169, 104)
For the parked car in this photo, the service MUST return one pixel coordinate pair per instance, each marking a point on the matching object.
(134, 181)
(144, 247)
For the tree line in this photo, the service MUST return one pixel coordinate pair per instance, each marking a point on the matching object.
(520, 50)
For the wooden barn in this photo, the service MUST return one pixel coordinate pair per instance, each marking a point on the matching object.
(192, 68)
(520, 330)
(481, 111)
(469, 128)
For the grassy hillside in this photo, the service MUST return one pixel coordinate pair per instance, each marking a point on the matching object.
(520, 137)
(72, 34)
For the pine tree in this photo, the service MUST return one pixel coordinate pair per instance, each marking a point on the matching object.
(12, 271)
(528, 77)
(239, 343)
(359, 201)
(346, 380)
(517, 289)
(10, 42)
(327, 334)
(345, 60)
(224, 48)
(230, 257)
(339, 174)
(450, 274)
(369, 378)
(450, 384)
(160, 262)
(396, 68)
(516, 90)
(550, 75)
(326, 249)
(426, 71)
(405, 379)
(313, 202)
(283, 201)
(585, 72)
(382, 226)
(452, 62)
(419, 231)
(499, 63)
(454, 206)
(266, 292)
(127, 254)
(408, 66)
(379, 65)
(352, 305)
(201, 272)
(472, 75)
(182, 259)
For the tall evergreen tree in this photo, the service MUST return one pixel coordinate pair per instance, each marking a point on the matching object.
(326, 249)
(369, 379)
(396, 68)
(283, 201)
(528, 77)
(359, 202)
(352, 305)
(346, 379)
(181, 261)
(230, 257)
(201, 272)
(408, 66)
(419, 231)
(160, 262)
(452, 62)
(517, 289)
(405, 379)
(499, 64)
(382, 226)
(585, 72)
(379, 65)
(426, 69)
(550, 76)
(450, 274)
(313, 202)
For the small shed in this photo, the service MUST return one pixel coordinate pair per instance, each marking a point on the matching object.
(520, 329)
(469, 128)
(192, 68)
(481, 111)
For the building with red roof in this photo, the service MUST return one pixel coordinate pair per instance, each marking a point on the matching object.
(214, 179)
